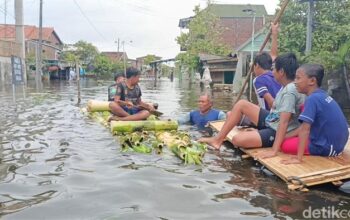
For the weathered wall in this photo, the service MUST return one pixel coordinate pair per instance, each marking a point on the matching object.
(5, 70)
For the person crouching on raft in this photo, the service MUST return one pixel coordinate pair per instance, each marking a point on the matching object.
(130, 93)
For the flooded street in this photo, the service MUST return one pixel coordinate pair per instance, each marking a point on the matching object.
(57, 163)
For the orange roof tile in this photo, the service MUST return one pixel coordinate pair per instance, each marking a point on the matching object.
(8, 31)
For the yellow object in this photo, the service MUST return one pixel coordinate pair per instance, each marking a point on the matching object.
(97, 106)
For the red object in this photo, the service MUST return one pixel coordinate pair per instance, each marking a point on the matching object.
(53, 68)
(290, 146)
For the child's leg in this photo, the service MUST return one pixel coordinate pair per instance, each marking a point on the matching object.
(290, 146)
(247, 139)
(242, 107)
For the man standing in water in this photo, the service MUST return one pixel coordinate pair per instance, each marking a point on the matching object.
(127, 97)
(204, 114)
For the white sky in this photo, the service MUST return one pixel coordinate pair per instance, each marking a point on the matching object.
(151, 25)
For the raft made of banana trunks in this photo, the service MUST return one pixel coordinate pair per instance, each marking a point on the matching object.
(149, 135)
(314, 170)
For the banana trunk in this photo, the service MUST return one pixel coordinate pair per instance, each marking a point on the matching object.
(132, 126)
(97, 106)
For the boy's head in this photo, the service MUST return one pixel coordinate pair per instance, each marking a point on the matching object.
(285, 67)
(133, 75)
(309, 77)
(262, 63)
(119, 77)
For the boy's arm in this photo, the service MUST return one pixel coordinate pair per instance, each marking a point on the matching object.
(274, 41)
(280, 134)
(304, 133)
(269, 99)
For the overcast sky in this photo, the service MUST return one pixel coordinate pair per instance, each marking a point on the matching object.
(147, 26)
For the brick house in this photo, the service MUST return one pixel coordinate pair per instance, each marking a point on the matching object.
(236, 21)
(51, 47)
(52, 44)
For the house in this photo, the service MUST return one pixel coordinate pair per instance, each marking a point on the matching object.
(237, 25)
(51, 47)
(236, 21)
(52, 44)
(222, 69)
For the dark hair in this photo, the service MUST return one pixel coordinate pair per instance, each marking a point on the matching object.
(264, 60)
(288, 62)
(314, 70)
(132, 71)
(117, 75)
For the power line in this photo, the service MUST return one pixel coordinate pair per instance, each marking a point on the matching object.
(88, 20)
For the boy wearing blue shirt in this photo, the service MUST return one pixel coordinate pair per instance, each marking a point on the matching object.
(324, 129)
(265, 85)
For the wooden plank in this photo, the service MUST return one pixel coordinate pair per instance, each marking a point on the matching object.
(314, 169)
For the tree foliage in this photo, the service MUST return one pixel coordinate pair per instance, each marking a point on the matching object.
(204, 36)
(105, 67)
(331, 30)
(149, 59)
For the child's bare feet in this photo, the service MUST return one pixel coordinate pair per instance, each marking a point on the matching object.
(113, 118)
(212, 141)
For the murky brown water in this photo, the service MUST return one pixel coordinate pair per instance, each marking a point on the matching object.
(58, 164)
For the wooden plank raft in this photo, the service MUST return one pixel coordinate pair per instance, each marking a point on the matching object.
(314, 170)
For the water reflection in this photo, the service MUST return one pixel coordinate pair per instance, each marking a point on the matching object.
(57, 162)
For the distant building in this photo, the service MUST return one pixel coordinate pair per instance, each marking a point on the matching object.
(51, 47)
(222, 69)
(52, 44)
(236, 21)
(140, 61)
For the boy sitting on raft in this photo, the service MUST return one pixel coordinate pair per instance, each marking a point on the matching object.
(129, 92)
(324, 129)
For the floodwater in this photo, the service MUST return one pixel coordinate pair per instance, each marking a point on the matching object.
(57, 163)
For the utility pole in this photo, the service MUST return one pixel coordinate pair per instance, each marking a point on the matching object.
(20, 34)
(40, 46)
(118, 43)
(5, 15)
(310, 14)
(123, 57)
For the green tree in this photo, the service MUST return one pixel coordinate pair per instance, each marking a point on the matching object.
(331, 30)
(149, 59)
(86, 52)
(204, 36)
(103, 66)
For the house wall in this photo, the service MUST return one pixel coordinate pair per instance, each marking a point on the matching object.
(5, 70)
(8, 48)
(217, 77)
(238, 30)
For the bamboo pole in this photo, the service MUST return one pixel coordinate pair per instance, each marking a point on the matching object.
(276, 20)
